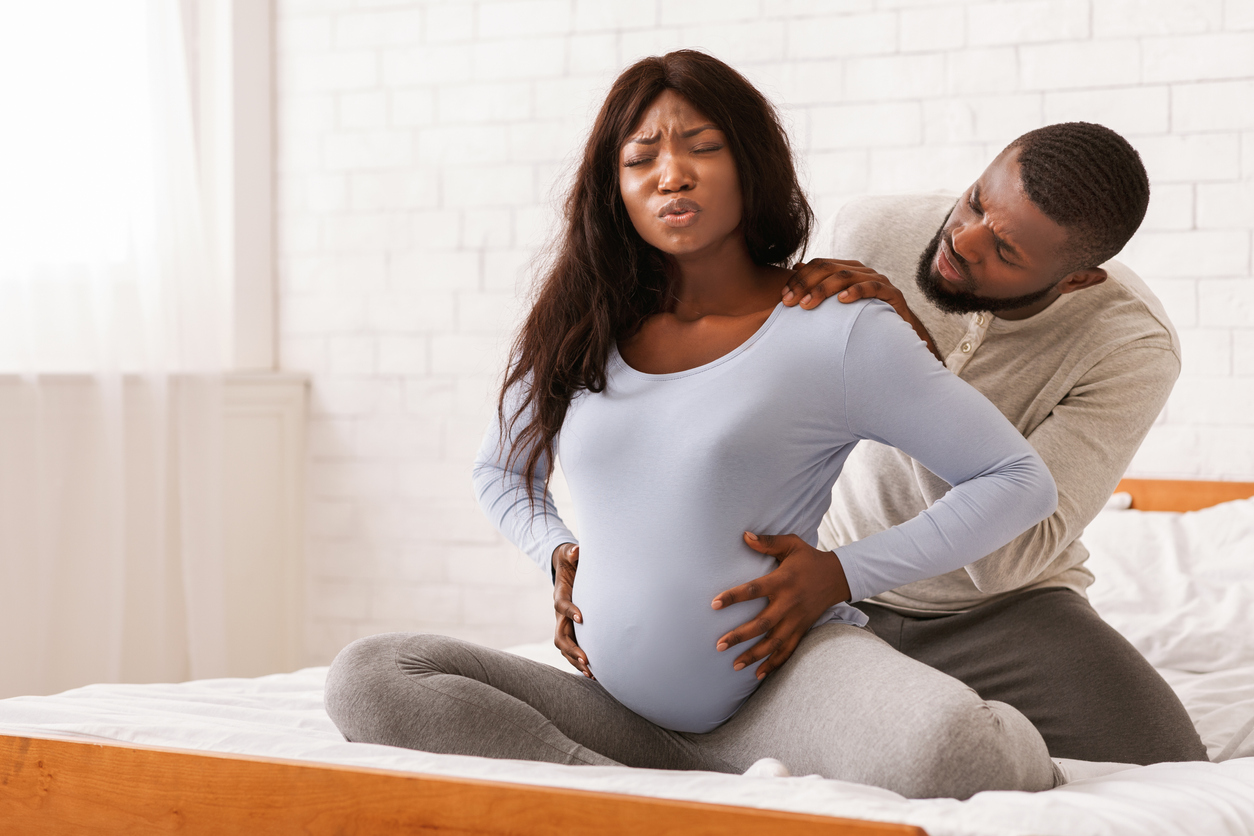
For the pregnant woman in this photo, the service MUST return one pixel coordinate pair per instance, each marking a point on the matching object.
(658, 364)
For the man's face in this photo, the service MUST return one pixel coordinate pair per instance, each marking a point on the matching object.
(996, 251)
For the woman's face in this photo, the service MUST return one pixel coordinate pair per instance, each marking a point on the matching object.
(678, 179)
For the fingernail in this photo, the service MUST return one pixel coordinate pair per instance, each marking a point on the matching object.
(761, 676)
(738, 666)
(788, 294)
(578, 618)
(805, 300)
(844, 294)
(721, 647)
(750, 534)
(717, 604)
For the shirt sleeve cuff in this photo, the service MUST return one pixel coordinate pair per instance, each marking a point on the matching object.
(851, 562)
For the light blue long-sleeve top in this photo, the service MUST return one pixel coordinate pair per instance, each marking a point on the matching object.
(667, 471)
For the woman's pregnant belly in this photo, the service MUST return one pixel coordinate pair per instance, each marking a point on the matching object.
(650, 632)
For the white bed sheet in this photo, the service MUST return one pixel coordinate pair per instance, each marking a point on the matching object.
(1142, 560)
(282, 716)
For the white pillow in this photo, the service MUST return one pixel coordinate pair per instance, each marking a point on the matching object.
(1180, 587)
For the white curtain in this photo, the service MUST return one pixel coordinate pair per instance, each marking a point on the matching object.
(113, 337)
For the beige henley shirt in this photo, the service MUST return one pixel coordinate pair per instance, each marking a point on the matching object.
(1083, 381)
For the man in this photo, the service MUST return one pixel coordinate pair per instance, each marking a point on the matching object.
(1012, 289)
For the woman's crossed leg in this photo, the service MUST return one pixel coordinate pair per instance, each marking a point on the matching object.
(846, 706)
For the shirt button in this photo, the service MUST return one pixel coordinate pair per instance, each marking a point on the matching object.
(966, 348)
(979, 320)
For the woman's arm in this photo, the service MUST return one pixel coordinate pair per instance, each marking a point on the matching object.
(898, 394)
(506, 493)
(504, 490)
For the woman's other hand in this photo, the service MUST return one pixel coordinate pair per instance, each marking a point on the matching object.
(848, 281)
(565, 564)
(804, 585)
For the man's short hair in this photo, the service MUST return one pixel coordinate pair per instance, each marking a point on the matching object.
(1088, 179)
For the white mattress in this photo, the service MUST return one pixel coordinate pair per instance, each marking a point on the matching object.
(282, 715)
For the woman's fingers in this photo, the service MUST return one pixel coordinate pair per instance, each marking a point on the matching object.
(759, 625)
(745, 592)
(564, 640)
(565, 563)
(776, 545)
(566, 608)
(775, 647)
(781, 655)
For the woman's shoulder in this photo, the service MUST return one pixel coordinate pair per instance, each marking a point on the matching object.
(833, 319)
(826, 334)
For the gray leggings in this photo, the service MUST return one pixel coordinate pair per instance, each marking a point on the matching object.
(845, 706)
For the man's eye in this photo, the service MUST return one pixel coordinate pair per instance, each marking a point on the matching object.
(634, 161)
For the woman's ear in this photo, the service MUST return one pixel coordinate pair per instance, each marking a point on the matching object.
(1080, 279)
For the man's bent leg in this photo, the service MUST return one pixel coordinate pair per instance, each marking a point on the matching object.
(1049, 654)
(440, 694)
(848, 706)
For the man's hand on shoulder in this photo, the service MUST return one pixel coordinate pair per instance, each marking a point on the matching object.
(849, 281)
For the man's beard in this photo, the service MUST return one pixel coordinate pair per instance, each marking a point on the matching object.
(966, 300)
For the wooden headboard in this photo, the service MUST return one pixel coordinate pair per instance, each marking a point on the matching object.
(1181, 495)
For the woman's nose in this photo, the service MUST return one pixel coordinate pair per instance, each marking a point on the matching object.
(674, 175)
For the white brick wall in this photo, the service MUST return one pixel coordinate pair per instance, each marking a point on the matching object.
(421, 151)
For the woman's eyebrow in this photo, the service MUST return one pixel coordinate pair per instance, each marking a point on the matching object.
(653, 139)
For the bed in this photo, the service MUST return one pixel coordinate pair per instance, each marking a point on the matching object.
(260, 755)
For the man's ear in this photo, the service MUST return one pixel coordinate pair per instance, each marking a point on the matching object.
(1080, 279)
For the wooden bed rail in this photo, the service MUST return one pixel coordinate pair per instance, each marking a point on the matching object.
(52, 787)
(1182, 495)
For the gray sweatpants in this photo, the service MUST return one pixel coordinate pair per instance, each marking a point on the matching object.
(845, 706)
(1048, 653)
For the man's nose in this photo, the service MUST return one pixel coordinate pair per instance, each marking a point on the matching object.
(966, 242)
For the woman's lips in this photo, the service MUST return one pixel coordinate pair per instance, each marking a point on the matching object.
(677, 220)
(679, 213)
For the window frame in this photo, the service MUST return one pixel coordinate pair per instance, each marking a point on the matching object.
(231, 64)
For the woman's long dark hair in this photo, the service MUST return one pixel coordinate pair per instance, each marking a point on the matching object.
(604, 280)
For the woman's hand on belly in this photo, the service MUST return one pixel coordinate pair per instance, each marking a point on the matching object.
(565, 564)
(806, 583)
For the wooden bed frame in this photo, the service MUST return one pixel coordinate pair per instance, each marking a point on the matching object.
(50, 787)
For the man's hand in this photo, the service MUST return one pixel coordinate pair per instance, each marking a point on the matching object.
(849, 281)
(806, 582)
(565, 564)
